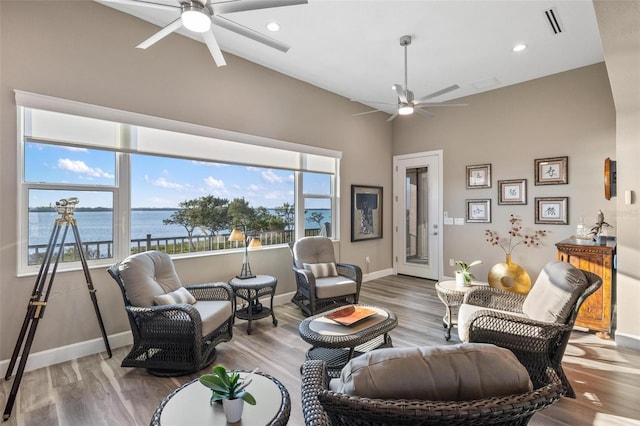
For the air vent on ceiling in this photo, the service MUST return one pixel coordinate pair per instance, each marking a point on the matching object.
(554, 20)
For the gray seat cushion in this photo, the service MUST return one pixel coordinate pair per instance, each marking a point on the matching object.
(464, 313)
(440, 373)
(213, 314)
(555, 292)
(147, 275)
(329, 287)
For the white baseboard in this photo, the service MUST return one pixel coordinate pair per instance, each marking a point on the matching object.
(377, 274)
(67, 353)
(627, 341)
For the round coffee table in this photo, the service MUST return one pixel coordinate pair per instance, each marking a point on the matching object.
(251, 289)
(452, 294)
(189, 405)
(336, 344)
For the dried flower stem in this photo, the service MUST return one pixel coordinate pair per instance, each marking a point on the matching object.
(516, 237)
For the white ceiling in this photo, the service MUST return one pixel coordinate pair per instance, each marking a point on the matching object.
(352, 48)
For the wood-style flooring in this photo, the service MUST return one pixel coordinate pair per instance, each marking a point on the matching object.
(95, 390)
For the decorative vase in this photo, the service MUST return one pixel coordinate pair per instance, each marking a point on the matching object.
(460, 281)
(233, 409)
(509, 276)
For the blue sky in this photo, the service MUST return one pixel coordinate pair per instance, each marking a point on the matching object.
(158, 181)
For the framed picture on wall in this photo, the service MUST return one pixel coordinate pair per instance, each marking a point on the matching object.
(479, 176)
(512, 191)
(552, 210)
(366, 212)
(478, 211)
(552, 171)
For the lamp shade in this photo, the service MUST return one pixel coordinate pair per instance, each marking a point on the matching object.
(236, 235)
(255, 243)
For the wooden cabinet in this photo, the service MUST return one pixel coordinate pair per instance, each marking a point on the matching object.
(597, 312)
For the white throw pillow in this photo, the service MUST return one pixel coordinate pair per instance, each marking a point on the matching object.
(321, 270)
(180, 295)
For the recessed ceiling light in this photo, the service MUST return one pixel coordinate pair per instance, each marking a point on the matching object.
(519, 47)
(273, 26)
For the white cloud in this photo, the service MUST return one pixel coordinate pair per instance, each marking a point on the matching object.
(163, 183)
(271, 177)
(80, 167)
(208, 164)
(213, 183)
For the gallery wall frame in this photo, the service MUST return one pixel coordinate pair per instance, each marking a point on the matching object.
(552, 171)
(479, 176)
(366, 212)
(478, 211)
(552, 210)
(513, 191)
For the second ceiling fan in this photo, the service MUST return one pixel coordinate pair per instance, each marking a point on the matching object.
(407, 104)
(198, 16)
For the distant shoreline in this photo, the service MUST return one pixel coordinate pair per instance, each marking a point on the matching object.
(107, 209)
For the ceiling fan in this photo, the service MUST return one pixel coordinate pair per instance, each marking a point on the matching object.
(198, 15)
(407, 104)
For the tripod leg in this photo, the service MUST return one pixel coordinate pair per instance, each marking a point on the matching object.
(92, 290)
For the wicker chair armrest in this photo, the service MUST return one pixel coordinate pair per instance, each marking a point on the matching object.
(525, 328)
(494, 298)
(315, 378)
(353, 272)
(211, 291)
(306, 276)
(167, 317)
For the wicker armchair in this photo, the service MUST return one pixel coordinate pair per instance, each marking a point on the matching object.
(315, 292)
(172, 339)
(323, 407)
(495, 316)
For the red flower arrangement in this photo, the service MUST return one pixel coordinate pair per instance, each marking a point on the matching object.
(516, 237)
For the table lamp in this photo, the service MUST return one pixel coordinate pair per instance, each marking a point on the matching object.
(249, 242)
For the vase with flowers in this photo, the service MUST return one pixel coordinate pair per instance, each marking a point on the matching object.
(508, 275)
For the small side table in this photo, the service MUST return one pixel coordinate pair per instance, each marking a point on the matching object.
(251, 289)
(452, 295)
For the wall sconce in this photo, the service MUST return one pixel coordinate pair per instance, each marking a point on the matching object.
(249, 242)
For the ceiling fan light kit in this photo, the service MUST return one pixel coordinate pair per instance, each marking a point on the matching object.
(196, 18)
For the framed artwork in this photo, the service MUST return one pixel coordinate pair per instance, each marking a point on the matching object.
(479, 176)
(479, 211)
(552, 171)
(552, 210)
(512, 191)
(366, 212)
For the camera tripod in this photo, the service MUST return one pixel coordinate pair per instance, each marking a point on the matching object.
(42, 290)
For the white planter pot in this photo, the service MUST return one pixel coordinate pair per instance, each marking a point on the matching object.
(460, 281)
(233, 409)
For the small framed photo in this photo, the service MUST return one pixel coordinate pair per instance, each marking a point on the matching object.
(366, 212)
(512, 191)
(479, 211)
(479, 176)
(552, 210)
(552, 171)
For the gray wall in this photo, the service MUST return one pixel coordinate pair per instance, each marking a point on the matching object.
(85, 52)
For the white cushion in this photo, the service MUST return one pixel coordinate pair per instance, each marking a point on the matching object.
(147, 275)
(555, 292)
(465, 312)
(180, 295)
(321, 270)
(213, 313)
(437, 373)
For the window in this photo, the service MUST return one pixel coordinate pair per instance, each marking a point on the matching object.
(147, 183)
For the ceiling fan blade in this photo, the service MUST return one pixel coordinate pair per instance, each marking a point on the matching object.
(161, 34)
(145, 4)
(241, 6)
(441, 104)
(402, 94)
(438, 93)
(212, 44)
(249, 33)
(425, 113)
(366, 112)
(392, 117)
(371, 102)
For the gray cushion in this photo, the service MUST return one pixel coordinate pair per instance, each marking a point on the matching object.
(464, 313)
(313, 250)
(321, 270)
(555, 292)
(334, 286)
(180, 295)
(147, 275)
(439, 373)
(213, 313)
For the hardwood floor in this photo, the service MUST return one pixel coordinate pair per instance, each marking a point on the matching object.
(96, 391)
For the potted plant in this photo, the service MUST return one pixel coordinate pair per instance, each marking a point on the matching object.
(229, 388)
(463, 273)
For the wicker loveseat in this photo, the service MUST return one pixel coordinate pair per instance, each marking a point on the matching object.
(535, 327)
(175, 328)
(325, 402)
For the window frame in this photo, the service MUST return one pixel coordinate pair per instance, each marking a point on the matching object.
(121, 190)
